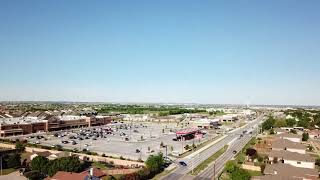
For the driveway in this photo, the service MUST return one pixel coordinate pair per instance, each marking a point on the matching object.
(13, 176)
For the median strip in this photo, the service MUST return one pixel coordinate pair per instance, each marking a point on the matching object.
(208, 161)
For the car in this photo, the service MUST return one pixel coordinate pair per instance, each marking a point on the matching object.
(182, 163)
(73, 142)
(37, 142)
(234, 152)
(94, 138)
(138, 151)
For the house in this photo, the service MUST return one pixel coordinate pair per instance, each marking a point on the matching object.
(292, 158)
(91, 174)
(290, 137)
(43, 154)
(288, 171)
(285, 144)
(314, 134)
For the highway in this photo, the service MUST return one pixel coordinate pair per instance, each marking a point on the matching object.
(231, 139)
(216, 168)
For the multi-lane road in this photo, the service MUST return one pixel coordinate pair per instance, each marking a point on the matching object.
(232, 139)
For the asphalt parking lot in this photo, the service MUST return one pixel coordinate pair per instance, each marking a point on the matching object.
(131, 140)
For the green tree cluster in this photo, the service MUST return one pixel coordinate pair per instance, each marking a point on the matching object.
(235, 172)
(11, 161)
(268, 124)
(305, 136)
(155, 163)
(46, 167)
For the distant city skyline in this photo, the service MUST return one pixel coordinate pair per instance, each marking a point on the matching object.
(245, 52)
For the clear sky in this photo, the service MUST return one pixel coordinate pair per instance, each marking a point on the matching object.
(184, 51)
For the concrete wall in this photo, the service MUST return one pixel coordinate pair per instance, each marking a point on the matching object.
(90, 157)
(81, 156)
(301, 151)
(8, 146)
(251, 167)
(310, 165)
(298, 140)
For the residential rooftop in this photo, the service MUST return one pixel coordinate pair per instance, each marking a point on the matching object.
(290, 171)
(291, 156)
(284, 143)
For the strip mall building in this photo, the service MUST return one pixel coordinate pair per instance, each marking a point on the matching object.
(26, 125)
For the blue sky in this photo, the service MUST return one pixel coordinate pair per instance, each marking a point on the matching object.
(242, 52)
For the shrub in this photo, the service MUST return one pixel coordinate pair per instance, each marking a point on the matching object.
(305, 136)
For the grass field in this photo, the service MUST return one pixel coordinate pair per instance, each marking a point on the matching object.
(206, 163)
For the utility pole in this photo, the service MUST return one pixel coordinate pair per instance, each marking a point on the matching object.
(1, 163)
(214, 170)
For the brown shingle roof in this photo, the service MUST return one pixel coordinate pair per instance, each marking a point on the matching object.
(287, 170)
(96, 172)
(284, 143)
(61, 175)
(287, 155)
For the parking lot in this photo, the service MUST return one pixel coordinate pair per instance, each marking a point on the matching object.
(129, 140)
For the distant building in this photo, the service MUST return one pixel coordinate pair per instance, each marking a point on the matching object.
(31, 124)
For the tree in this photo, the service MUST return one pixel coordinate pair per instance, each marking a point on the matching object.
(280, 123)
(268, 124)
(240, 174)
(39, 163)
(272, 131)
(275, 160)
(304, 122)
(293, 131)
(14, 161)
(291, 122)
(161, 144)
(318, 161)
(235, 172)
(19, 146)
(305, 136)
(155, 162)
(230, 166)
(187, 147)
(252, 153)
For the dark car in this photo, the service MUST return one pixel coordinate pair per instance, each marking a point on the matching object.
(137, 151)
(234, 152)
(182, 163)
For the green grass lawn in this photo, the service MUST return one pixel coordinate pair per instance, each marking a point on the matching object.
(254, 173)
(8, 171)
(201, 145)
(206, 163)
(163, 173)
(99, 165)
